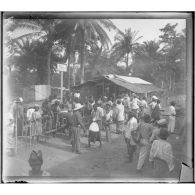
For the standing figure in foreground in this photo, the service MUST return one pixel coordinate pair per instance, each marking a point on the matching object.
(161, 155)
(135, 104)
(131, 126)
(108, 120)
(145, 129)
(172, 113)
(97, 114)
(18, 116)
(76, 124)
(120, 117)
(153, 103)
(37, 124)
(156, 112)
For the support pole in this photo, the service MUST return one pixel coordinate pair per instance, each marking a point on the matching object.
(61, 86)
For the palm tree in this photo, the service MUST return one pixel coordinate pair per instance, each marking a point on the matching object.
(148, 61)
(126, 43)
(45, 30)
(90, 29)
(29, 55)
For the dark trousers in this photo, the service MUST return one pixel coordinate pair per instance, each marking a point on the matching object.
(130, 149)
(108, 132)
(75, 139)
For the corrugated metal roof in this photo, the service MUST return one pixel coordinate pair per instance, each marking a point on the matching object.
(134, 84)
(135, 87)
(134, 80)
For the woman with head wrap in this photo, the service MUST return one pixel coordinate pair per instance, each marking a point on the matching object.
(161, 155)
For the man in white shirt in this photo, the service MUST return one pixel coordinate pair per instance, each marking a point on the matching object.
(131, 126)
(120, 116)
(135, 104)
(172, 114)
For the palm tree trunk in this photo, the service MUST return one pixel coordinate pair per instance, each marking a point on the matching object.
(170, 82)
(48, 65)
(69, 73)
(127, 62)
(82, 52)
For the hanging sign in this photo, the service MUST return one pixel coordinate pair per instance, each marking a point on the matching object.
(62, 67)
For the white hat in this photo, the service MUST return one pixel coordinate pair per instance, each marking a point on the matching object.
(36, 105)
(162, 122)
(154, 97)
(21, 99)
(77, 95)
(109, 103)
(78, 106)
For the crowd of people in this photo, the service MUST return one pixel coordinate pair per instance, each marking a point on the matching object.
(138, 119)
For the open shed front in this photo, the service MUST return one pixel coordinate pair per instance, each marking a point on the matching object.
(113, 85)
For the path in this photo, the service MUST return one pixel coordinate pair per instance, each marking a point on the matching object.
(109, 163)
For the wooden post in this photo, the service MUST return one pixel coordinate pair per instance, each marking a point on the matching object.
(103, 88)
(62, 86)
(16, 133)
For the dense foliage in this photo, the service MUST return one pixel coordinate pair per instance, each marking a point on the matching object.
(84, 44)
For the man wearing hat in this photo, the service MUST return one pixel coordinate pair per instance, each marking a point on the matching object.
(76, 123)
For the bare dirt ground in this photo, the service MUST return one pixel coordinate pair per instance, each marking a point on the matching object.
(109, 163)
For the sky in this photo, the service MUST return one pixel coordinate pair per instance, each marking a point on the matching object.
(148, 28)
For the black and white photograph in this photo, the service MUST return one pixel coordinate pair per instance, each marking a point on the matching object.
(97, 97)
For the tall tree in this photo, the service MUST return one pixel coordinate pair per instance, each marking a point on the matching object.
(46, 30)
(174, 53)
(147, 61)
(30, 56)
(89, 29)
(126, 43)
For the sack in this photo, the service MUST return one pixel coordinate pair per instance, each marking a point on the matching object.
(94, 127)
(136, 135)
